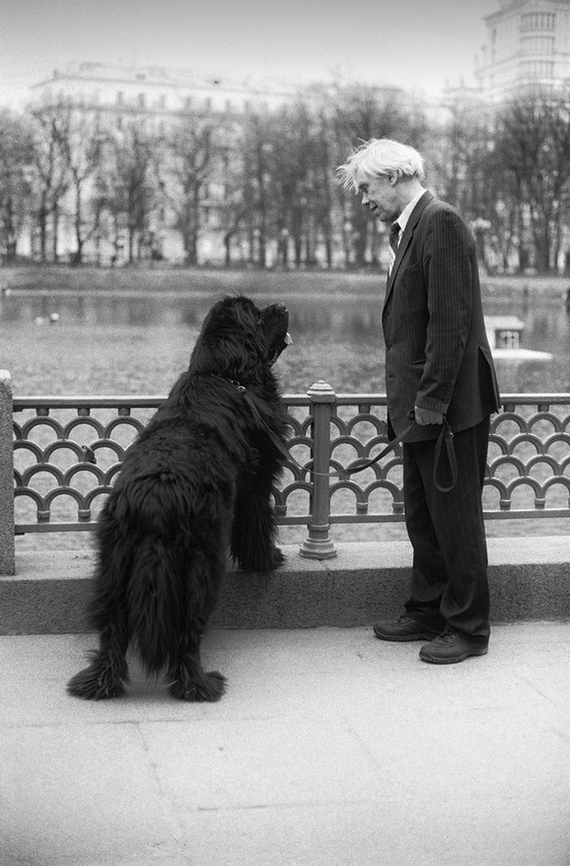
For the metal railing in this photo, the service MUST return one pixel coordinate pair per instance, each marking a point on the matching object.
(68, 450)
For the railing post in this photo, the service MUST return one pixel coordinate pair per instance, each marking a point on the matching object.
(318, 544)
(7, 544)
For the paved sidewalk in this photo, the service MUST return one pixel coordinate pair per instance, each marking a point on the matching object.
(330, 748)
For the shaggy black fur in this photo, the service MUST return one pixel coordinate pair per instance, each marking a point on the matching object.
(195, 483)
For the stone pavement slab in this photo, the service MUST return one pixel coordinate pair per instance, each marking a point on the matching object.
(330, 747)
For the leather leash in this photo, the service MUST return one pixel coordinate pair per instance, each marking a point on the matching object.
(241, 389)
(358, 466)
(446, 436)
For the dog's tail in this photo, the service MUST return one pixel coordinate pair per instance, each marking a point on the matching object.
(170, 596)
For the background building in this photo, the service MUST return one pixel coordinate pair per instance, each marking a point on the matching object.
(132, 164)
(156, 92)
(527, 48)
(140, 115)
(191, 169)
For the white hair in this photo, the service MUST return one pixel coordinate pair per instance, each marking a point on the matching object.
(378, 157)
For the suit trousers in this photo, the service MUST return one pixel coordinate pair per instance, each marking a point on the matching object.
(449, 585)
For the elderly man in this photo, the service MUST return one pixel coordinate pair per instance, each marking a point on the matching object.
(440, 374)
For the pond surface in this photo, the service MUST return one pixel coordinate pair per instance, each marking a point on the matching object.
(136, 338)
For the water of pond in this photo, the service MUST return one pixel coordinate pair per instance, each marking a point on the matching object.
(137, 341)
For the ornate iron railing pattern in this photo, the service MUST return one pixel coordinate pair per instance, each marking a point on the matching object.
(68, 450)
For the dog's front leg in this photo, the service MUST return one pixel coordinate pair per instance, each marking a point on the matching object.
(253, 534)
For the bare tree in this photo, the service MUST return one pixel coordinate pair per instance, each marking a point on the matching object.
(192, 151)
(15, 157)
(51, 181)
(76, 132)
(532, 144)
(128, 188)
(231, 206)
(325, 186)
(292, 182)
(458, 153)
(258, 148)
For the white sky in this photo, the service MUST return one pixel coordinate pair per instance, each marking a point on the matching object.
(417, 44)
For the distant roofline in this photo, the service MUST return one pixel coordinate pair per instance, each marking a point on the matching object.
(161, 76)
(182, 79)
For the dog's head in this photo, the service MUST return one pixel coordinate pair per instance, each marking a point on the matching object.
(238, 338)
(275, 323)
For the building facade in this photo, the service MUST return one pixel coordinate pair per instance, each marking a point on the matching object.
(156, 92)
(210, 200)
(110, 102)
(527, 49)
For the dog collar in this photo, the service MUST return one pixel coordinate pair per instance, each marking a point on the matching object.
(241, 388)
(258, 419)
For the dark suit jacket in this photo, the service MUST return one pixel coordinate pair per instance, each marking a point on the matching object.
(437, 352)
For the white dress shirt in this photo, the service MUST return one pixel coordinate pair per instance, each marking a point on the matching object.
(403, 221)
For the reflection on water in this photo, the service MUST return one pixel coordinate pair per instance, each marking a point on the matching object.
(309, 314)
(350, 320)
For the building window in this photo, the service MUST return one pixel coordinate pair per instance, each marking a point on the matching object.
(120, 97)
(538, 45)
(141, 100)
(537, 21)
(506, 339)
(533, 69)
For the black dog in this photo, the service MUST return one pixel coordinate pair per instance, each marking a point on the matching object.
(195, 483)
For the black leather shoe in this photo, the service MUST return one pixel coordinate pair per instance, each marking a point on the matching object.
(450, 648)
(405, 628)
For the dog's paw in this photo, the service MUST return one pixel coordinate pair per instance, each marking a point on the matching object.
(91, 685)
(278, 557)
(263, 564)
(209, 687)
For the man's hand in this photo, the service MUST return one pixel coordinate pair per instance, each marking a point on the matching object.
(427, 416)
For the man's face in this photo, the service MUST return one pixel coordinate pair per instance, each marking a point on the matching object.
(379, 194)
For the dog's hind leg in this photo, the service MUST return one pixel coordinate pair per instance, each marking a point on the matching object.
(188, 681)
(108, 672)
(107, 614)
(186, 678)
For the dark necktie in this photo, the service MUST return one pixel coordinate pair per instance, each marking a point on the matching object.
(394, 234)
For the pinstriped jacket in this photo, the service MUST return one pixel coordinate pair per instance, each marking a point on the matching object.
(437, 352)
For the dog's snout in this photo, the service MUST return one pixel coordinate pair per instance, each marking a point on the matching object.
(278, 308)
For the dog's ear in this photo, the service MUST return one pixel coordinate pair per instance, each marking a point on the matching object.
(231, 341)
(242, 346)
